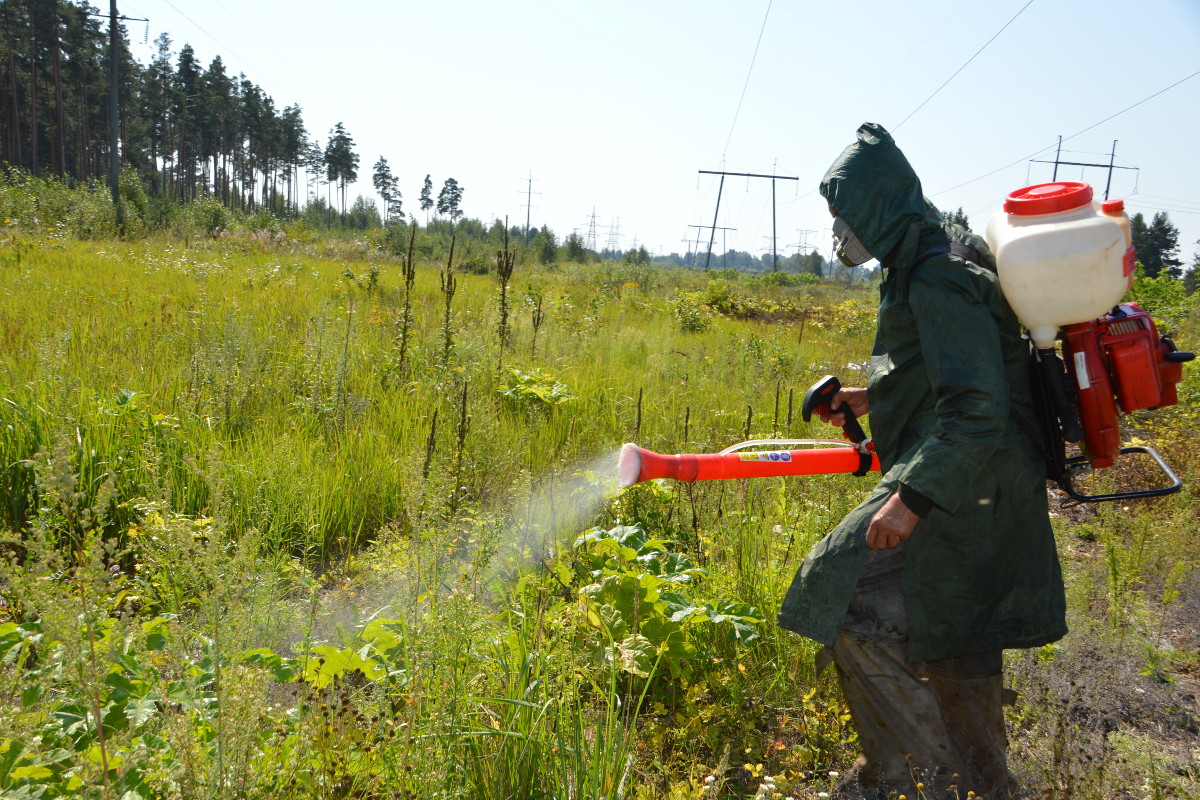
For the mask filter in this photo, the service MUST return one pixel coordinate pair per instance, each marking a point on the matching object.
(847, 247)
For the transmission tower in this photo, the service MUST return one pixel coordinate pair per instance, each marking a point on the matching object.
(614, 236)
(591, 237)
(804, 238)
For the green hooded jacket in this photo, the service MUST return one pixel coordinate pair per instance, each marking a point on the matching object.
(948, 380)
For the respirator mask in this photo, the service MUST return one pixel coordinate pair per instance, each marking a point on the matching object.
(846, 245)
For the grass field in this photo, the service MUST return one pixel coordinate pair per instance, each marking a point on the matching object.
(282, 523)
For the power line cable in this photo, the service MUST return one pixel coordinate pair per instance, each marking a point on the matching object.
(200, 28)
(749, 72)
(897, 66)
(265, 41)
(1066, 138)
(1131, 203)
(1135, 105)
(964, 66)
(998, 169)
(787, 38)
(1170, 199)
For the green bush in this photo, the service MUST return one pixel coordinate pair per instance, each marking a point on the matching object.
(47, 204)
(1164, 298)
(690, 312)
(208, 216)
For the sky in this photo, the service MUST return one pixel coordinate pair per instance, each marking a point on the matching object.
(597, 117)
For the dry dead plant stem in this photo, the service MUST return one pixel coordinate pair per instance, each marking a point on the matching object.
(637, 426)
(410, 275)
(505, 261)
(430, 443)
(94, 670)
(449, 284)
(539, 316)
(464, 424)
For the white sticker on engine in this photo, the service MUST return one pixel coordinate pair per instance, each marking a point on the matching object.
(1081, 373)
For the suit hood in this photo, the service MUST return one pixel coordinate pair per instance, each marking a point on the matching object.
(874, 189)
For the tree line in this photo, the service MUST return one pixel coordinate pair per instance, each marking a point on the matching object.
(186, 129)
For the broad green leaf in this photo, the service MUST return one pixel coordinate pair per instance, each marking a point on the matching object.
(637, 655)
(140, 710)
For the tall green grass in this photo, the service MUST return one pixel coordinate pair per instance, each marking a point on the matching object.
(157, 359)
(252, 554)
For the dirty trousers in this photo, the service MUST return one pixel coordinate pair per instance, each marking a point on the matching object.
(926, 722)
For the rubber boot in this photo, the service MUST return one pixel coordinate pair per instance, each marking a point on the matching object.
(899, 721)
(973, 714)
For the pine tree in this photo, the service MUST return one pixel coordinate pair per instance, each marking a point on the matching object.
(427, 197)
(1191, 278)
(1157, 245)
(295, 140)
(341, 162)
(388, 187)
(958, 217)
(449, 199)
(185, 129)
(186, 92)
(217, 119)
(576, 251)
(545, 244)
(156, 95)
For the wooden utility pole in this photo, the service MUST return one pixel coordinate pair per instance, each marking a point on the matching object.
(721, 188)
(529, 193)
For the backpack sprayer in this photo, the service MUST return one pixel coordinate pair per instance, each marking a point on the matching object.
(1064, 261)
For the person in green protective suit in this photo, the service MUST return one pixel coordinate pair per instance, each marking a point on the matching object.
(951, 558)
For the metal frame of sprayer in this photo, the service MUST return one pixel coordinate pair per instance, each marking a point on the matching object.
(1116, 360)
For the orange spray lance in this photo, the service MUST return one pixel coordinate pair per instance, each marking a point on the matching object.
(820, 456)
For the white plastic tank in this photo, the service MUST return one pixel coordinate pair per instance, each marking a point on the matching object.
(1061, 257)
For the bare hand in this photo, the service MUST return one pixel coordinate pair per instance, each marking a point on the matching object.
(891, 524)
(855, 398)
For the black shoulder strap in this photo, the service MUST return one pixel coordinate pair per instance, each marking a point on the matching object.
(963, 251)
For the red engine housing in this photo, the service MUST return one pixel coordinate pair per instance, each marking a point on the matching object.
(1118, 359)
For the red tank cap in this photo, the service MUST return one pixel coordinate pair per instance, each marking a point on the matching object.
(1113, 207)
(1048, 198)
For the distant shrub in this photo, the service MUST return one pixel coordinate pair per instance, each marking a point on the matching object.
(720, 297)
(690, 312)
(84, 211)
(207, 216)
(787, 279)
(264, 221)
(1164, 298)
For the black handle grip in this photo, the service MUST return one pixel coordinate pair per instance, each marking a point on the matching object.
(818, 398)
